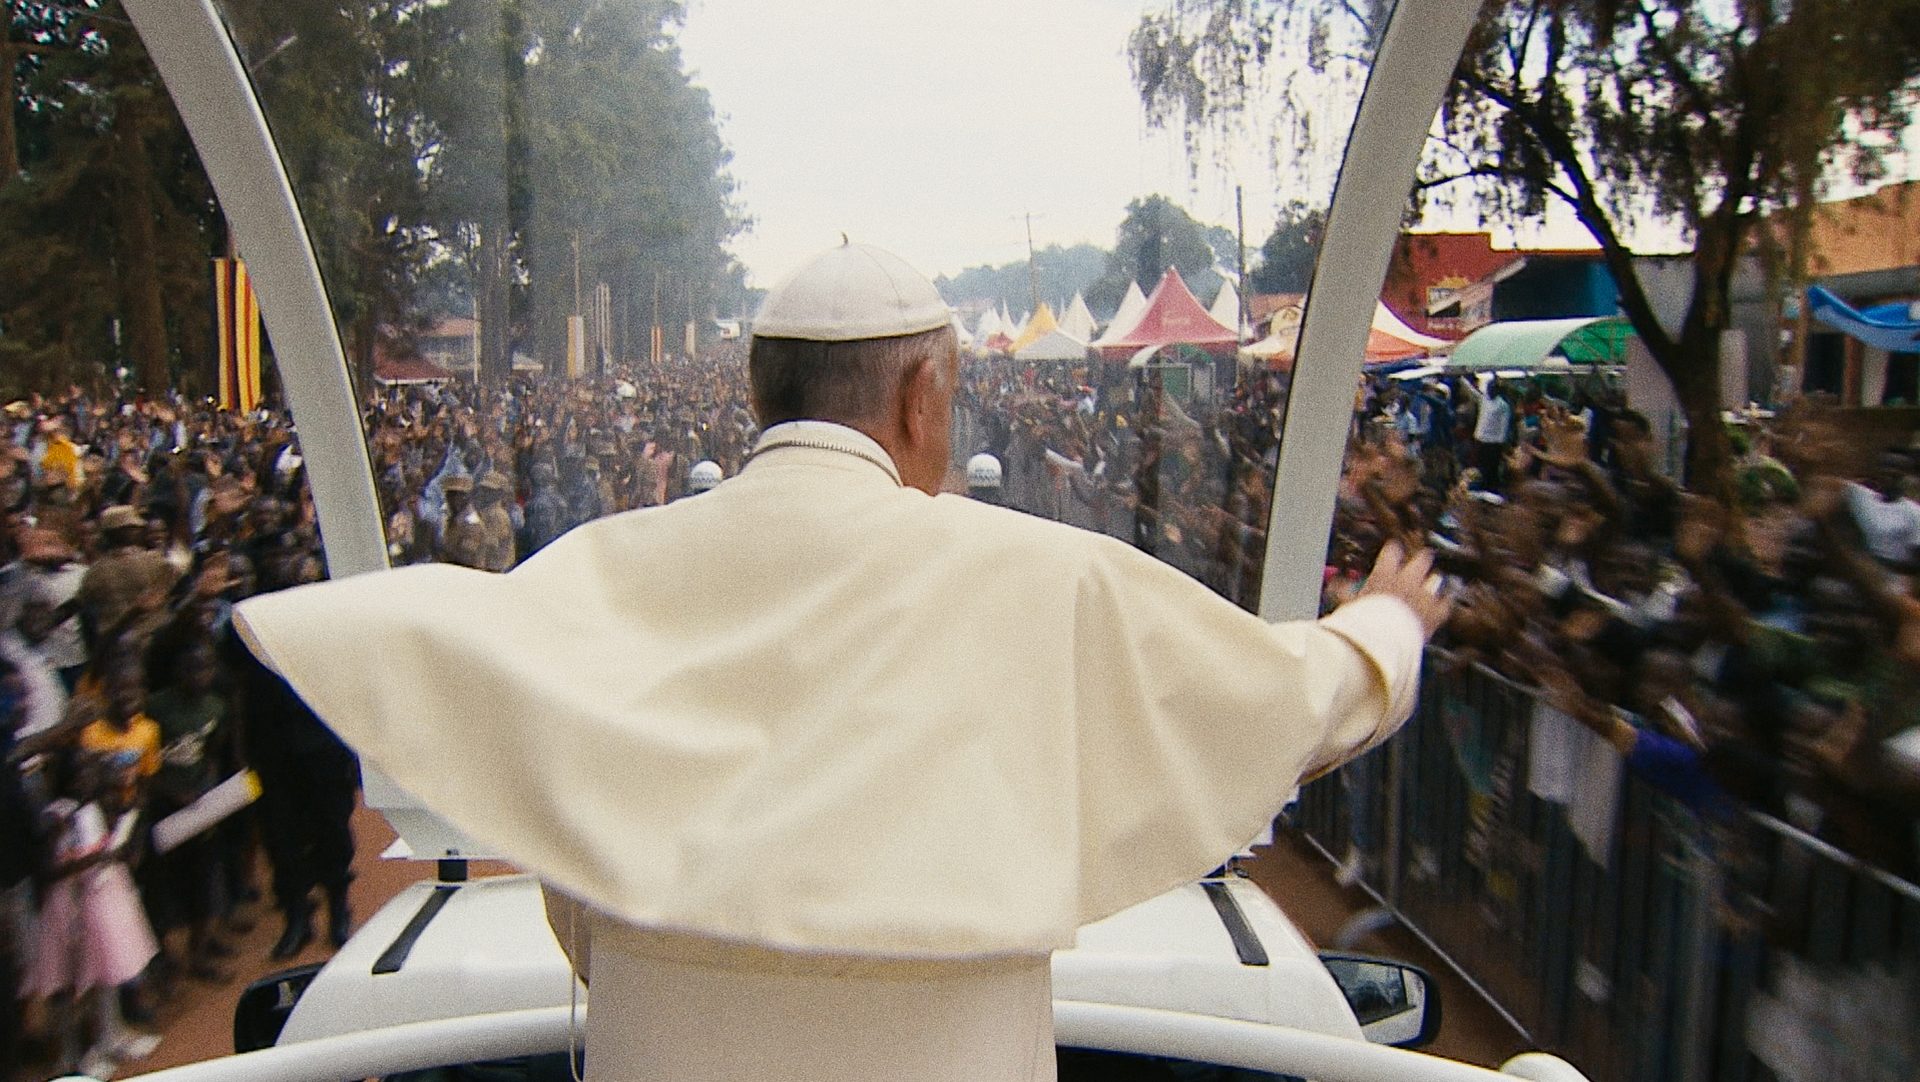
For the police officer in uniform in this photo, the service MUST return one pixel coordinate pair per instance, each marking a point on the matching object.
(496, 525)
(463, 540)
(704, 477)
(983, 478)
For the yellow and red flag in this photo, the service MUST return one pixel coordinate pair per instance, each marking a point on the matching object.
(237, 319)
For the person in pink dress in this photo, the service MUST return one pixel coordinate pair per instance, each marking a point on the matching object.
(94, 936)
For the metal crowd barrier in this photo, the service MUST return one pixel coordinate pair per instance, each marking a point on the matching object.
(1741, 950)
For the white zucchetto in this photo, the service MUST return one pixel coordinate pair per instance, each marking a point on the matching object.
(850, 293)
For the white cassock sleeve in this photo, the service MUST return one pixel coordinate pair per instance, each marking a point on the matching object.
(1197, 720)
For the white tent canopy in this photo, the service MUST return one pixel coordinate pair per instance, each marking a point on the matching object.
(1055, 345)
(1132, 307)
(1078, 319)
(1226, 307)
(1386, 322)
(988, 326)
(1281, 340)
(960, 332)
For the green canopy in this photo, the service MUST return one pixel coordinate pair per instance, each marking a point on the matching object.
(1528, 343)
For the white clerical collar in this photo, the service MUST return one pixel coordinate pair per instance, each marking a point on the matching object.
(827, 436)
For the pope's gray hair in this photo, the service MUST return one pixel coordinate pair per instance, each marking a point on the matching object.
(795, 379)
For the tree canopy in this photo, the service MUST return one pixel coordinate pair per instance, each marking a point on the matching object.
(481, 155)
(106, 220)
(1058, 272)
(1155, 234)
(1287, 257)
(538, 148)
(1650, 114)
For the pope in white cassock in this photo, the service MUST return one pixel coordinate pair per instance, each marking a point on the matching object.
(823, 765)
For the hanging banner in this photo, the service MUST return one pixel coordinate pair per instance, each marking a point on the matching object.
(576, 347)
(236, 321)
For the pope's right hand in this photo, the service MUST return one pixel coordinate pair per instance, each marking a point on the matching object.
(1411, 580)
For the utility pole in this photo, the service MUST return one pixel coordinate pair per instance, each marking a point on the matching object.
(576, 272)
(1033, 279)
(1240, 256)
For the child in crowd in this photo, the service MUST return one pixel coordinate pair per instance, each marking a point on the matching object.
(93, 935)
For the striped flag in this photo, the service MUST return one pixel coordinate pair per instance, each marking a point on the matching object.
(237, 317)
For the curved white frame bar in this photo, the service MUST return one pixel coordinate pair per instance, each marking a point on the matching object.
(1417, 57)
(203, 73)
(1145, 1031)
(198, 62)
(210, 86)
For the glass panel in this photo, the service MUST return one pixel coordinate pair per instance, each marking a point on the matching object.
(538, 198)
(1165, 433)
(518, 210)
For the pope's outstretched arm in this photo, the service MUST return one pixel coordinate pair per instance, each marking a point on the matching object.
(1197, 721)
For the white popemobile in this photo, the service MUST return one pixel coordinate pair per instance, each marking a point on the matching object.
(463, 979)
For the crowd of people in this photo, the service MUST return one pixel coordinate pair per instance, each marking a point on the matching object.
(1752, 652)
(131, 527)
(1757, 650)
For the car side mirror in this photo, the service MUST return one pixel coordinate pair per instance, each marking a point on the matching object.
(1395, 1003)
(263, 1009)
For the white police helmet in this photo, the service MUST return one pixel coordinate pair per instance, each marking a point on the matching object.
(983, 471)
(706, 474)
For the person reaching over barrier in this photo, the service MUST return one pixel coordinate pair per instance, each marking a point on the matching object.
(821, 765)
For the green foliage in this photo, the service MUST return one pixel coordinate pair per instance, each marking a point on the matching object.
(107, 226)
(1287, 257)
(1059, 273)
(1155, 234)
(486, 155)
(1636, 114)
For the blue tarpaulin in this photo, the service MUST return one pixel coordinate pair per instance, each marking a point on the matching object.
(1886, 326)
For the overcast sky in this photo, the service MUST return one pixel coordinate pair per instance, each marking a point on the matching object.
(930, 127)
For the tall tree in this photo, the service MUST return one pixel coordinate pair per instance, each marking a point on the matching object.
(1287, 257)
(511, 154)
(106, 218)
(337, 86)
(1637, 115)
(1156, 234)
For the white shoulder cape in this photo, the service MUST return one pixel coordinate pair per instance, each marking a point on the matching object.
(816, 711)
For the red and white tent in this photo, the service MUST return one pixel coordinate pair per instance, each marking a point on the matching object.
(1173, 317)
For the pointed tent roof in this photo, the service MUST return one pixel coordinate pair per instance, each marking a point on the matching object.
(1041, 324)
(988, 326)
(1173, 317)
(1277, 348)
(1018, 327)
(1055, 345)
(1388, 339)
(1226, 305)
(1077, 320)
(1132, 307)
(1391, 325)
(960, 331)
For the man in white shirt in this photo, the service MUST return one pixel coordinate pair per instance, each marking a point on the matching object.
(1492, 431)
(830, 762)
(1889, 522)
